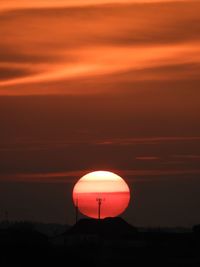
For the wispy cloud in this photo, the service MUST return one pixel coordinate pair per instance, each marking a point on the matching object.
(57, 50)
(130, 175)
(108, 60)
(187, 157)
(39, 145)
(13, 4)
(147, 158)
(149, 140)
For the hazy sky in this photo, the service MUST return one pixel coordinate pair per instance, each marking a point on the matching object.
(112, 87)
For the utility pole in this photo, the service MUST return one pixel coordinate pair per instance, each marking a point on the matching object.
(99, 201)
(76, 210)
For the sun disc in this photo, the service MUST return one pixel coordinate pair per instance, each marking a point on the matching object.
(101, 194)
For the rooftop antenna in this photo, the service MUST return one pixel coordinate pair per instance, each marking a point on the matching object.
(99, 201)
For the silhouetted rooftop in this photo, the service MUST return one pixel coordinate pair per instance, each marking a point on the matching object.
(104, 227)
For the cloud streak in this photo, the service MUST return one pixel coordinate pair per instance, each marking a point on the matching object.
(55, 47)
(132, 176)
(20, 4)
(104, 61)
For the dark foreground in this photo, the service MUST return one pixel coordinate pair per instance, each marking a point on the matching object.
(111, 242)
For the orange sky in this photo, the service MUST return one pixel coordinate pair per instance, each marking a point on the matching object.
(41, 48)
(112, 87)
(13, 4)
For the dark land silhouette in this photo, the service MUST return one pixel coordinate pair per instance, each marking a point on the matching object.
(107, 242)
(108, 227)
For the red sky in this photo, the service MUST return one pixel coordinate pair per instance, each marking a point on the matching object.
(88, 87)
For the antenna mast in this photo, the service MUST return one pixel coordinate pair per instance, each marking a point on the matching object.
(99, 200)
(76, 210)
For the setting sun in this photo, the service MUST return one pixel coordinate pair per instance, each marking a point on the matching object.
(101, 194)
